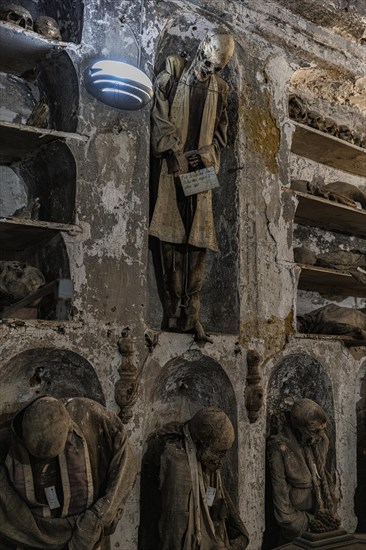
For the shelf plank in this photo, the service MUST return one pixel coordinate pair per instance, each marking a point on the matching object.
(21, 49)
(62, 289)
(329, 215)
(17, 234)
(347, 340)
(329, 281)
(17, 141)
(327, 149)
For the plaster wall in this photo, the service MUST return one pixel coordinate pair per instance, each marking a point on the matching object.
(250, 297)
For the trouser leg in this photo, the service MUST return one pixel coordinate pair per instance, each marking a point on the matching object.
(195, 275)
(172, 259)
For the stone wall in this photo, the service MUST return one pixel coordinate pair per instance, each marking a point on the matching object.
(250, 298)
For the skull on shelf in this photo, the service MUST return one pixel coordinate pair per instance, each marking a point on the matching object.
(47, 27)
(314, 119)
(16, 15)
(18, 280)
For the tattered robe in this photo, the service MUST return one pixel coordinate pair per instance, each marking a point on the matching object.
(187, 522)
(169, 132)
(293, 493)
(98, 469)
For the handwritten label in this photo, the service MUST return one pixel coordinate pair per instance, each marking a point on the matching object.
(210, 495)
(199, 181)
(51, 497)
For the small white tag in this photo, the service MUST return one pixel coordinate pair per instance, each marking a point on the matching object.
(199, 181)
(210, 495)
(51, 497)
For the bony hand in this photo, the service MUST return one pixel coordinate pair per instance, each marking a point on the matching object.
(239, 543)
(88, 532)
(177, 163)
(195, 161)
(323, 522)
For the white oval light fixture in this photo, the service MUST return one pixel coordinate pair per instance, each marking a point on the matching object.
(118, 85)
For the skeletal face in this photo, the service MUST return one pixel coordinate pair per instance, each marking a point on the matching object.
(16, 15)
(47, 27)
(313, 432)
(213, 54)
(19, 280)
(211, 456)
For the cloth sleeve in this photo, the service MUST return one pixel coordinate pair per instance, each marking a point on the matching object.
(211, 154)
(293, 522)
(113, 459)
(121, 478)
(164, 135)
(175, 488)
(237, 533)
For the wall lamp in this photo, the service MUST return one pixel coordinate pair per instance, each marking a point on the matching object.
(118, 85)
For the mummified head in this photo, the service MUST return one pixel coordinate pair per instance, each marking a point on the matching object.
(45, 426)
(16, 15)
(310, 421)
(47, 27)
(18, 280)
(213, 54)
(213, 435)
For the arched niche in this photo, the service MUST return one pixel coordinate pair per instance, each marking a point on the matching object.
(297, 376)
(48, 255)
(54, 79)
(13, 192)
(181, 35)
(50, 175)
(46, 371)
(360, 495)
(185, 385)
(58, 82)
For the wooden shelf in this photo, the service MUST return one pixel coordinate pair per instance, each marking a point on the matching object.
(330, 215)
(18, 234)
(327, 149)
(18, 141)
(61, 290)
(21, 49)
(346, 340)
(329, 281)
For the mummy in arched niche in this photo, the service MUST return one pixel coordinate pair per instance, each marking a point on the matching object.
(196, 510)
(66, 474)
(189, 129)
(303, 489)
(66, 462)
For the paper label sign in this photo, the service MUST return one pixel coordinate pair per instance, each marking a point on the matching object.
(51, 497)
(210, 495)
(199, 181)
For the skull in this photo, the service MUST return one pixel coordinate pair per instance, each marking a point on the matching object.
(47, 27)
(314, 119)
(213, 54)
(329, 126)
(18, 280)
(345, 133)
(16, 15)
(297, 109)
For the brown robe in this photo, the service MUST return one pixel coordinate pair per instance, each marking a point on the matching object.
(172, 129)
(293, 493)
(187, 522)
(101, 466)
